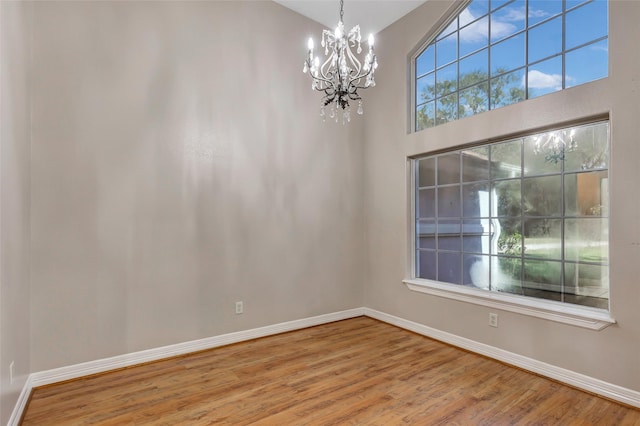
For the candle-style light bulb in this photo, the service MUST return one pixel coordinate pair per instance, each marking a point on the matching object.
(338, 32)
(371, 41)
(310, 44)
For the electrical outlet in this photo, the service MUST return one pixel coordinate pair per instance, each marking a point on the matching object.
(239, 307)
(11, 373)
(493, 319)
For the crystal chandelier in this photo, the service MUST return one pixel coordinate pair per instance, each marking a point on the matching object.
(341, 74)
(553, 145)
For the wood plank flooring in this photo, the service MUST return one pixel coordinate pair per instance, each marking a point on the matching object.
(354, 372)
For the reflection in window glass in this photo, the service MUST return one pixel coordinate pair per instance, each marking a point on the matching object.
(447, 109)
(426, 116)
(449, 169)
(507, 89)
(425, 88)
(474, 100)
(474, 69)
(527, 216)
(447, 80)
(524, 48)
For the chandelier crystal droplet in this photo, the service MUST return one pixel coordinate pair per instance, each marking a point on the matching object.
(341, 74)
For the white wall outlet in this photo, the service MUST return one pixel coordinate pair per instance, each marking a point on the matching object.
(493, 319)
(239, 307)
(11, 372)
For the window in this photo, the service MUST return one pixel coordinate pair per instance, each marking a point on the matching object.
(525, 216)
(495, 53)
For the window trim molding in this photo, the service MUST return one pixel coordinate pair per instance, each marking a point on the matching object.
(580, 316)
(584, 317)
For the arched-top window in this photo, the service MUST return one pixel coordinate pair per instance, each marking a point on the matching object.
(495, 53)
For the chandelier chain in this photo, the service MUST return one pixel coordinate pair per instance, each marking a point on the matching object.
(341, 10)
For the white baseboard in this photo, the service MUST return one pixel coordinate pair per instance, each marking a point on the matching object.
(577, 380)
(580, 381)
(21, 404)
(70, 372)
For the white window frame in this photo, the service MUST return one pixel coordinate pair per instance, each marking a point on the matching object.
(576, 315)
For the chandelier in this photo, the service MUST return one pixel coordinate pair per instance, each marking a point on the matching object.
(553, 145)
(341, 74)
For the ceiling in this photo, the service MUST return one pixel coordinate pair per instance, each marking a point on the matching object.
(372, 15)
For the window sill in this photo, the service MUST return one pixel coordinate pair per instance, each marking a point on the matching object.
(585, 317)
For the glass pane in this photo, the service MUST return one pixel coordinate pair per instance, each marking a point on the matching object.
(426, 116)
(427, 172)
(497, 3)
(449, 168)
(586, 285)
(426, 61)
(475, 10)
(508, 20)
(508, 55)
(573, 3)
(475, 164)
(590, 147)
(545, 40)
(447, 50)
(449, 235)
(586, 23)
(545, 77)
(543, 238)
(426, 264)
(453, 26)
(449, 201)
(426, 234)
(506, 196)
(476, 236)
(505, 160)
(587, 240)
(543, 196)
(447, 109)
(542, 279)
(507, 89)
(475, 271)
(507, 236)
(475, 200)
(425, 88)
(587, 64)
(447, 80)
(474, 100)
(543, 153)
(506, 274)
(474, 37)
(586, 194)
(474, 68)
(539, 10)
(449, 267)
(426, 203)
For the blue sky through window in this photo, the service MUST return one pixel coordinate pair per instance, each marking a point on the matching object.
(521, 48)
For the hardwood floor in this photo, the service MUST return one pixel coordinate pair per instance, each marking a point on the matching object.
(357, 372)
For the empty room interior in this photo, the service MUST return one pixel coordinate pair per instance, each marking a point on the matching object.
(460, 193)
